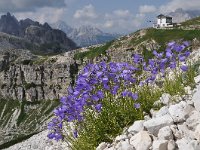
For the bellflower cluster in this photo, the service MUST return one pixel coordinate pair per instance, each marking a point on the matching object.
(97, 82)
(174, 55)
(93, 82)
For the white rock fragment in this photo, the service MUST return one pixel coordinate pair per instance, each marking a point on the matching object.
(183, 128)
(153, 113)
(193, 120)
(163, 111)
(160, 145)
(186, 144)
(197, 133)
(147, 117)
(177, 134)
(165, 133)
(102, 146)
(189, 101)
(196, 100)
(120, 138)
(141, 141)
(155, 124)
(179, 112)
(110, 148)
(197, 79)
(171, 145)
(124, 145)
(136, 127)
(165, 98)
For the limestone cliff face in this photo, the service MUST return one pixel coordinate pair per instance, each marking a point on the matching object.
(32, 80)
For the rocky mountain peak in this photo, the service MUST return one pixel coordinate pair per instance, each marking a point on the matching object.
(40, 37)
(87, 29)
(27, 22)
(61, 25)
(47, 26)
(85, 35)
(9, 24)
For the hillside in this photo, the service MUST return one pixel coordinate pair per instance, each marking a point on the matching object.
(192, 23)
(143, 41)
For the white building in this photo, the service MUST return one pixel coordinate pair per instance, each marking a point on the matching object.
(163, 22)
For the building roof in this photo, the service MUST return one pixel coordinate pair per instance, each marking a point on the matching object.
(163, 16)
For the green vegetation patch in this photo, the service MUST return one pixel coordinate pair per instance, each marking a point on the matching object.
(163, 36)
(41, 60)
(93, 52)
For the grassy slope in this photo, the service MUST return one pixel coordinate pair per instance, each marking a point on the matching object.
(93, 52)
(164, 36)
(194, 21)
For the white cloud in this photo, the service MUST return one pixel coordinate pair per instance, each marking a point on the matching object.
(46, 14)
(122, 13)
(185, 4)
(122, 20)
(29, 5)
(147, 9)
(138, 20)
(87, 12)
(108, 24)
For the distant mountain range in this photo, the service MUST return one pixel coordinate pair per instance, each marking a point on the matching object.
(29, 34)
(85, 35)
(180, 15)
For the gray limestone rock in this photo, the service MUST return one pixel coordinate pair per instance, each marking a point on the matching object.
(137, 126)
(124, 145)
(193, 120)
(155, 124)
(165, 98)
(165, 133)
(141, 141)
(171, 145)
(180, 112)
(121, 138)
(102, 146)
(163, 111)
(160, 145)
(186, 144)
(196, 100)
(197, 133)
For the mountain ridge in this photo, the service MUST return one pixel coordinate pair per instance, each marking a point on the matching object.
(42, 37)
(85, 35)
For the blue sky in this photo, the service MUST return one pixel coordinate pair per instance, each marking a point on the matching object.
(119, 16)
